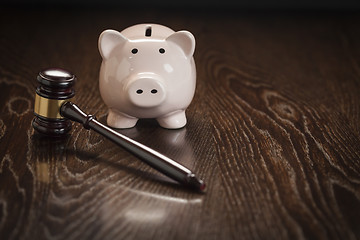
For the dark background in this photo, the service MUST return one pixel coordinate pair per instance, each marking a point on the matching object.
(242, 4)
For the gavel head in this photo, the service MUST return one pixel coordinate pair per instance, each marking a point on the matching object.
(56, 87)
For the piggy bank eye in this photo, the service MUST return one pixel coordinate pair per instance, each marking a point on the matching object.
(161, 50)
(134, 50)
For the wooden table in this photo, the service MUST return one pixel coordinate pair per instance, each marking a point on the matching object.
(273, 130)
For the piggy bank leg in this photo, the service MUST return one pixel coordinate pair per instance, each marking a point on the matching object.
(173, 120)
(119, 120)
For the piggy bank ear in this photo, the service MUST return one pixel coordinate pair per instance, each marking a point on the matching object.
(185, 40)
(108, 40)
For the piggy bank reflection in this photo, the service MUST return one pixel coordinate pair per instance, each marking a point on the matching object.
(148, 71)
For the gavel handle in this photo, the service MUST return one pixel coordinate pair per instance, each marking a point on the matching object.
(153, 158)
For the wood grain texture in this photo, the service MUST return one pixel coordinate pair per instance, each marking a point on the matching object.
(273, 130)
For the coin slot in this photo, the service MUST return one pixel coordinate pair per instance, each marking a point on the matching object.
(148, 32)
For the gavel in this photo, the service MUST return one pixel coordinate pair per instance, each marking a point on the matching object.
(54, 111)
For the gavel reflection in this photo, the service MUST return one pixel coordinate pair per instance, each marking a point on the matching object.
(54, 112)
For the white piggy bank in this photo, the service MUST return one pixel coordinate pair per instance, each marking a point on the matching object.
(148, 71)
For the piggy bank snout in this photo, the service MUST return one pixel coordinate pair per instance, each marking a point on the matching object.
(146, 91)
